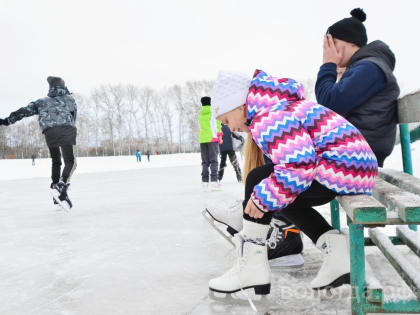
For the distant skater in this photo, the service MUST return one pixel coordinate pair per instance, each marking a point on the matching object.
(138, 156)
(33, 157)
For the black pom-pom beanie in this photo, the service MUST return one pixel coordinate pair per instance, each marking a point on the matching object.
(205, 101)
(351, 29)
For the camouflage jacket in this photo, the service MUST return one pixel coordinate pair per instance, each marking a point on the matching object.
(57, 109)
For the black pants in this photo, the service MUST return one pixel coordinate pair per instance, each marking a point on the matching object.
(380, 158)
(300, 212)
(233, 160)
(209, 152)
(69, 163)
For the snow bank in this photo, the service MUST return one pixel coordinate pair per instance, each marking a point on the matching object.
(22, 169)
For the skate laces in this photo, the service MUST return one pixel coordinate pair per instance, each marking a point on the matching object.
(277, 234)
(239, 263)
(247, 296)
(272, 241)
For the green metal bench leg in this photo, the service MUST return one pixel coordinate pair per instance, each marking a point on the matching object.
(406, 155)
(357, 267)
(335, 214)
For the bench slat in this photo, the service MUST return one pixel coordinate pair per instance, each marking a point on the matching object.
(406, 203)
(409, 109)
(409, 274)
(363, 209)
(373, 286)
(410, 238)
(403, 180)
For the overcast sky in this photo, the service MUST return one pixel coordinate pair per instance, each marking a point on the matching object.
(158, 43)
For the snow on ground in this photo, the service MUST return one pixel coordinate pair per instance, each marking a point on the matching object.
(19, 169)
(136, 243)
(23, 169)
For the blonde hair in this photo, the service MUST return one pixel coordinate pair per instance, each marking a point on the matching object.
(254, 157)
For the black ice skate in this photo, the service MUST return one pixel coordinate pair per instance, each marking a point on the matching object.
(220, 174)
(239, 176)
(284, 245)
(59, 193)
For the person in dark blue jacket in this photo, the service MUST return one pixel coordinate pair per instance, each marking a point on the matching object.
(226, 149)
(367, 93)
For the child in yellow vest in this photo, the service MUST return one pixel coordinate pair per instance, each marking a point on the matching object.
(210, 137)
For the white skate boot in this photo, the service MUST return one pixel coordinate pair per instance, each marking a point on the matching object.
(230, 218)
(250, 269)
(335, 269)
(215, 186)
(205, 186)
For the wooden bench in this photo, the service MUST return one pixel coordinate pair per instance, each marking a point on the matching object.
(395, 201)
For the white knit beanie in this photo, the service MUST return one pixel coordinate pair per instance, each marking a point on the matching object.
(229, 92)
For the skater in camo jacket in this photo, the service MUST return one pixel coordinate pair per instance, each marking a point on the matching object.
(57, 119)
(316, 155)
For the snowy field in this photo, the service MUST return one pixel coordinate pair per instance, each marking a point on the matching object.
(136, 243)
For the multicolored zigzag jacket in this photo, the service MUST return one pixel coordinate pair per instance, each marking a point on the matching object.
(306, 141)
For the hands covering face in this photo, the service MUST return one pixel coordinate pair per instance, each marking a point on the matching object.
(331, 52)
(4, 122)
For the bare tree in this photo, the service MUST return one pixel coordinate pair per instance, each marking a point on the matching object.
(165, 114)
(178, 96)
(96, 118)
(117, 93)
(132, 109)
(107, 106)
(145, 102)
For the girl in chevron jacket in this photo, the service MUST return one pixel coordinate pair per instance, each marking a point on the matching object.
(316, 155)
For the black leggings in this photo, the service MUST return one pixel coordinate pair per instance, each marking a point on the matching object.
(232, 158)
(69, 163)
(300, 212)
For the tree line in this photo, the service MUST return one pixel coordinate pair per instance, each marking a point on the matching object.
(118, 119)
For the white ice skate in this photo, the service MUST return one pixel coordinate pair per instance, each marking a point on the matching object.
(205, 186)
(335, 269)
(250, 269)
(215, 186)
(230, 219)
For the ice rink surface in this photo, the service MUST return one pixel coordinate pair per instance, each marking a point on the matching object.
(136, 243)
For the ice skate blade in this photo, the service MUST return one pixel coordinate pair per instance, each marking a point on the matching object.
(207, 215)
(344, 279)
(63, 204)
(260, 289)
(289, 261)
